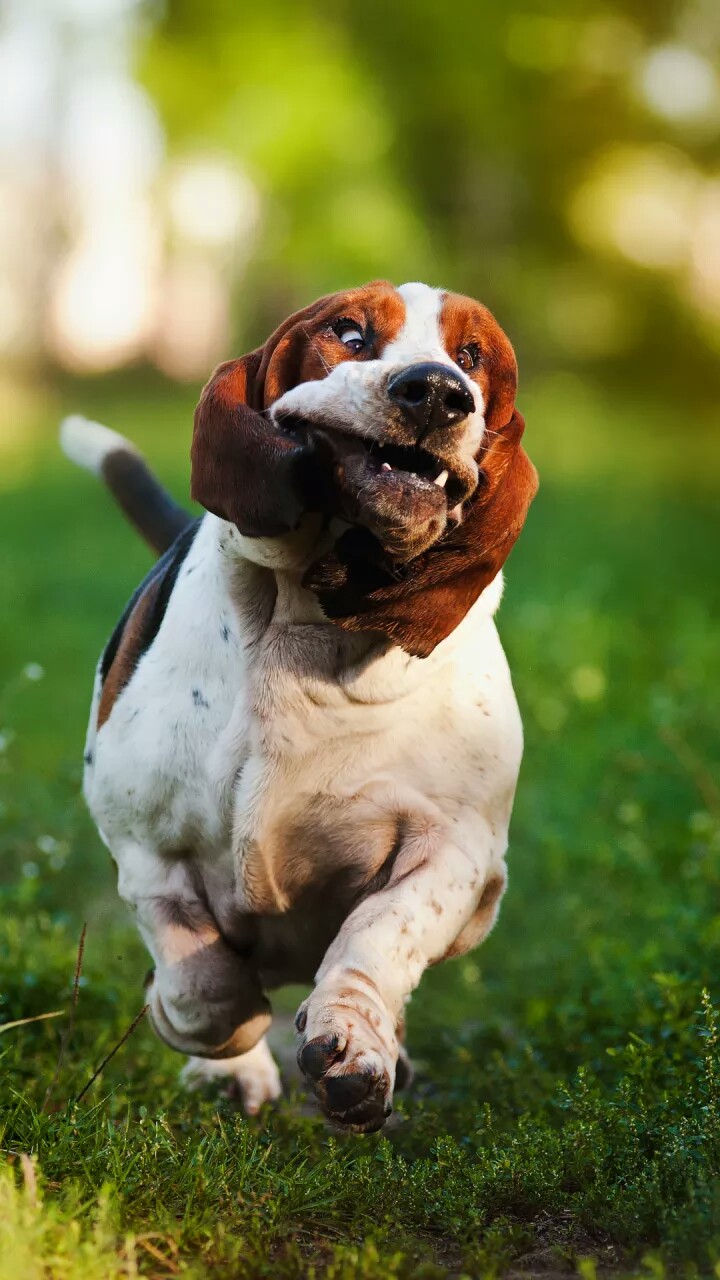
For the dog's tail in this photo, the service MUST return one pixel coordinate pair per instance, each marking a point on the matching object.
(148, 506)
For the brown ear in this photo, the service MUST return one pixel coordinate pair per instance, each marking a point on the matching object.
(441, 585)
(244, 469)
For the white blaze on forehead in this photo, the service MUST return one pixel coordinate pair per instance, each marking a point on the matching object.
(420, 337)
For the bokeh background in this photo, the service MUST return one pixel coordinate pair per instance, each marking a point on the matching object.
(175, 178)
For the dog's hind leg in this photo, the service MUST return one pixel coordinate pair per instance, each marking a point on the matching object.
(253, 1076)
(205, 998)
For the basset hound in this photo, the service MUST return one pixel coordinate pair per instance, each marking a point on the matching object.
(304, 742)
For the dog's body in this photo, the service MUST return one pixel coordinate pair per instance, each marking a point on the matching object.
(291, 798)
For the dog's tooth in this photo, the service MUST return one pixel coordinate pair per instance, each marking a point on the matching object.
(442, 479)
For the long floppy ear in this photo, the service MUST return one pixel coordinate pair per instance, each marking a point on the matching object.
(440, 586)
(244, 469)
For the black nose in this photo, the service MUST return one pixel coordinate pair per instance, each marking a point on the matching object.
(431, 395)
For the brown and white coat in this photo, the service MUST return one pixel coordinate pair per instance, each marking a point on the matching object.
(304, 743)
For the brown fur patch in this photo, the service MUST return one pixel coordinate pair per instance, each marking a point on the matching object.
(344, 854)
(183, 913)
(246, 470)
(304, 348)
(129, 651)
(243, 468)
(463, 322)
(419, 608)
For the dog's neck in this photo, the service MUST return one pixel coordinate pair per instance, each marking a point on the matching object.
(275, 586)
(291, 553)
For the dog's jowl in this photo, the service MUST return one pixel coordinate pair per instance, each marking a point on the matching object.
(304, 743)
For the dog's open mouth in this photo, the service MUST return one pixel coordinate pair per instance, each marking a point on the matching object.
(411, 461)
(418, 463)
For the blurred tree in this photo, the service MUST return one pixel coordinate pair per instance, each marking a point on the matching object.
(518, 153)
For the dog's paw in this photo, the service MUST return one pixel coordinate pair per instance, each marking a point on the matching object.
(253, 1078)
(348, 1054)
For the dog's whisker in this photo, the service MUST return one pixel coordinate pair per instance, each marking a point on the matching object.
(316, 348)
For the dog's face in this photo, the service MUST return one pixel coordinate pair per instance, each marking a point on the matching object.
(406, 398)
(410, 371)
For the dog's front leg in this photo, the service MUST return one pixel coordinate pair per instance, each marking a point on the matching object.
(439, 901)
(204, 997)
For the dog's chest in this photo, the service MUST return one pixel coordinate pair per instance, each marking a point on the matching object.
(280, 756)
(323, 735)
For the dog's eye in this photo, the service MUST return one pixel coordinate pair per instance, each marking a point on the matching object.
(350, 334)
(468, 356)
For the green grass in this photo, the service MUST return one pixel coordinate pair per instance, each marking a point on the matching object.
(566, 1115)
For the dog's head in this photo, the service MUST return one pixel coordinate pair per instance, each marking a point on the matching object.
(413, 372)
(416, 387)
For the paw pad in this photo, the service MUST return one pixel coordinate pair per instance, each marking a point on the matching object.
(318, 1055)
